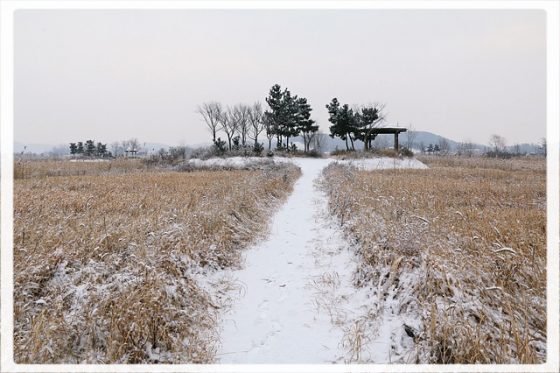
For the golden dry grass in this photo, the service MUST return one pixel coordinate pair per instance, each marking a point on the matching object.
(25, 169)
(461, 245)
(106, 265)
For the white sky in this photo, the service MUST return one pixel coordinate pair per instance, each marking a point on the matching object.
(112, 75)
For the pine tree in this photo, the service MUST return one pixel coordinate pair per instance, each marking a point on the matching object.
(305, 124)
(220, 146)
(258, 148)
(287, 115)
(336, 129)
(73, 148)
(80, 148)
(274, 116)
(90, 148)
(343, 120)
(100, 150)
(290, 114)
(349, 122)
(236, 143)
(365, 121)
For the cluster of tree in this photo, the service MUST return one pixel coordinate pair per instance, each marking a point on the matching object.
(467, 148)
(499, 149)
(442, 147)
(89, 149)
(288, 116)
(126, 147)
(170, 156)
(356, 123)
(239, 123)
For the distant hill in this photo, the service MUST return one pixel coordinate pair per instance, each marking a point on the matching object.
(525, 148)
(417, 139)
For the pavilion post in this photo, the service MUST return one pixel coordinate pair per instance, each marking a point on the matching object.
(396, 141)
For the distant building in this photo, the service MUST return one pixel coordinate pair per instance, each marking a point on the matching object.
(131, 152)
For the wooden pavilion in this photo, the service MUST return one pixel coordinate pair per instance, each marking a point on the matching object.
(390, 130)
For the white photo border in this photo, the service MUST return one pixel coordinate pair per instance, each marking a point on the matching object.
(7, 9)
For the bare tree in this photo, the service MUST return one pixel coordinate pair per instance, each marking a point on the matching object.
(240, 115)
(255, 118)
(497, 143)
(319, 141)
(410, 136)
(270, 129)
(443, 146)
(124, 145)
(211, 113)
(307, 139)
(465, 148)
(229, 124)
(115, 148)
(134, 144)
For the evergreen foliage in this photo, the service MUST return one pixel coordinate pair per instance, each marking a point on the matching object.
(288, 116)
(354, 124)
(91, 149)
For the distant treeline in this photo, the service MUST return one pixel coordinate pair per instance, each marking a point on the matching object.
(89, 149)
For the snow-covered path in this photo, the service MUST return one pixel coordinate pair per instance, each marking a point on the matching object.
(298, 304)
(289, 281)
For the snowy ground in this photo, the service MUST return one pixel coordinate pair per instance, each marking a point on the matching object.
(295, 301)
(234, 163)
(368, 164)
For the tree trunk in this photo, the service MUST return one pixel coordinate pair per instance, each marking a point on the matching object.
(352, 142)
(229, 142)
(367, 140)
(346, 139)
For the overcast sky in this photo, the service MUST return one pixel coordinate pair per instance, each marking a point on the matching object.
(112, 75)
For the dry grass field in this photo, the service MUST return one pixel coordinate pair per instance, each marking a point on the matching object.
(460, 247)
(108, 263)
(25, 169)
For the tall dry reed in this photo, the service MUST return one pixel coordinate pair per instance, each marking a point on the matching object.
(460, 246)
(110, 268)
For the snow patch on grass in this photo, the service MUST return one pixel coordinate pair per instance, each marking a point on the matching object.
(233, 163)
(370, 164)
